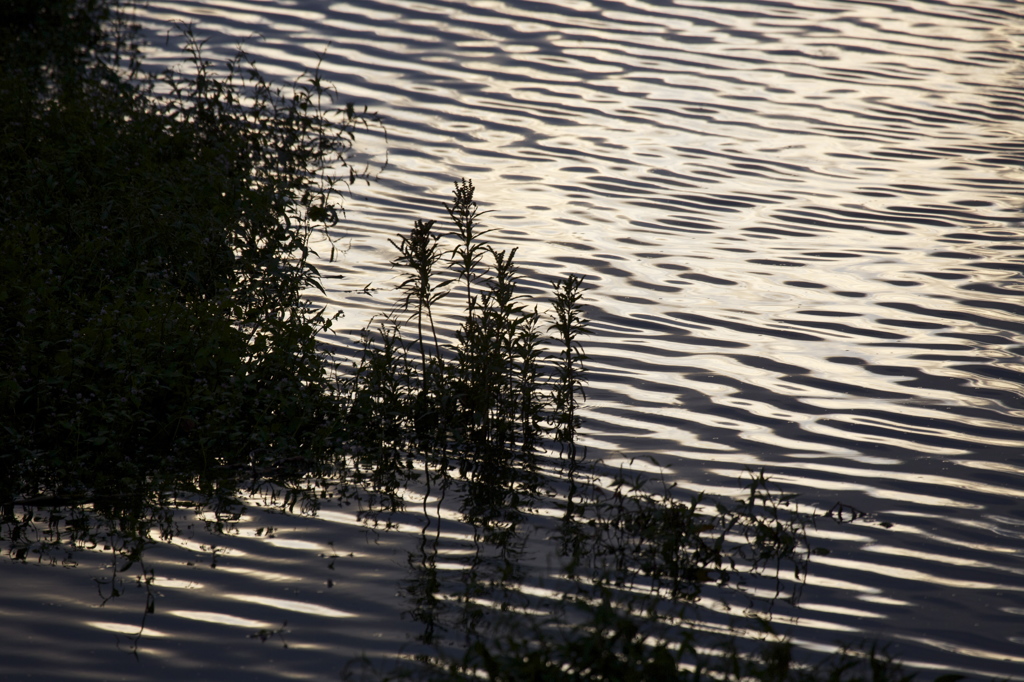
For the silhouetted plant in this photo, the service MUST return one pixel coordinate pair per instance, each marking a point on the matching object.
(470, 410)
(570, 325)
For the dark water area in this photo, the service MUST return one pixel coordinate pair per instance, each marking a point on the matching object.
(802, 234)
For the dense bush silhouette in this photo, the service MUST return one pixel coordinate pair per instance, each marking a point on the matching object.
(153, 332)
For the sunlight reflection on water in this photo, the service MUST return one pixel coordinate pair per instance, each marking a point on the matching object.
(801, 232)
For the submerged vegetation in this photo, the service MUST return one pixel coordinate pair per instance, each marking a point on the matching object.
(156, 351)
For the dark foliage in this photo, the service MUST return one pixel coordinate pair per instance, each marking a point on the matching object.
(153, 334)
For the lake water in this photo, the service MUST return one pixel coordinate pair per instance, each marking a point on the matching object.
(802, 234)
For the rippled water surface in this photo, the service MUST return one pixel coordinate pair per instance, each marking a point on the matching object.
(801, 228)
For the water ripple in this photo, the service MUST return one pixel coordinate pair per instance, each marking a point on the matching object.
(800, 226)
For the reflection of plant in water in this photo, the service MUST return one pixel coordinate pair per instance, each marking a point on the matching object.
(631, 600)
(627, 601)
(612, 646)
(633, 537)
(266, 634)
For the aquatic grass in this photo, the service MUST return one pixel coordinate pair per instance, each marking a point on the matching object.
(470, 412)
(570, 325)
